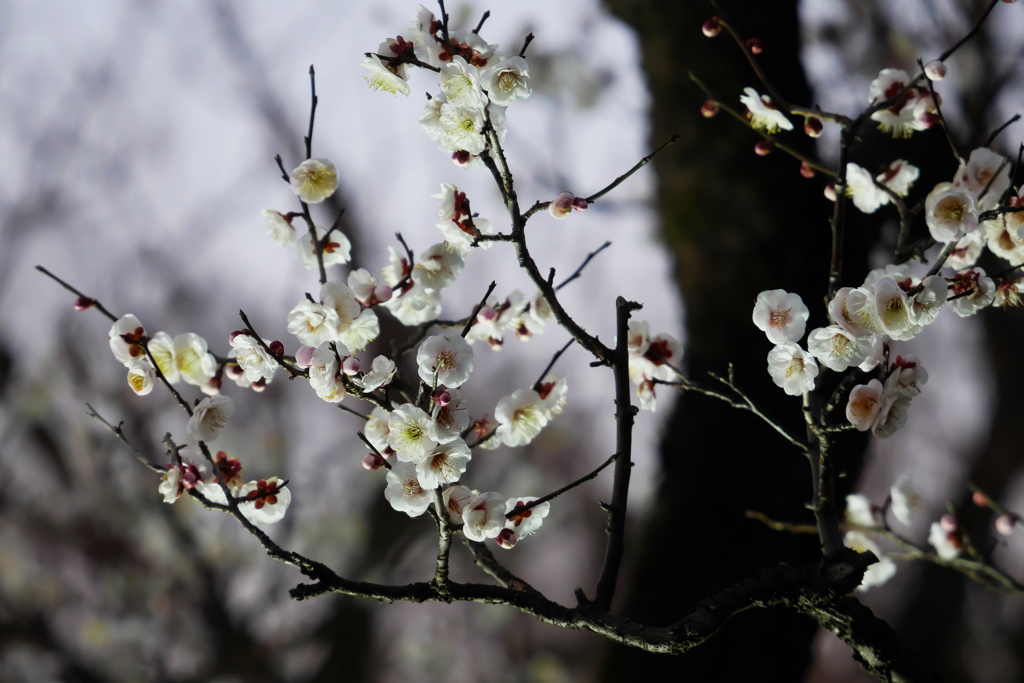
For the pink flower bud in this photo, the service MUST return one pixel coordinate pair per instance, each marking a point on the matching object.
(350, 366)
(461, 158)
(561, 205)
(276, 348)
(709, 109)
(935, 70)
(388, 452)
(755, 45)
(813, 127)
(234, 371)
(806, 171)
(980, 499)
(259, 385)
(442, 398)
(231, 338)
(372, 461)
(507, 538)
(580, 204)
(382, 293)
(949, 523)
(830, 192)
(304, 356)
(712, 27)
(84, 302)
(764, 147)
(1015, 201)
(487, 313)
(1005, 524)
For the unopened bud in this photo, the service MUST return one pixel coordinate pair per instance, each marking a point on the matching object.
(1005, 524)
(712, 27)
(387, 452)
(461, 158)
(487, 313)
(507, 538)
(259, 386)
(709, 109)
(580, 204)
(233, 371)
(980, 499)
(1015, 201)
(84, 302)
(755, 45)
(372, 461)
(561, 206)
(813, 127)
(304, 356)
(935, 70)
(382, 293)
(442, 398)
(949, 523)
(350, 366)
(764, 147)
(830, 192)
(276, 348)
(231, 338)
(806, 171)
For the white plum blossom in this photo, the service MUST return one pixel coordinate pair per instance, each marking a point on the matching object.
(196, 365)
(416, 306)
(279, 228)
(313, 323)
(780, 315)
(763, 113)
(170, 484)
(314, 180)
(554, 392)
(507, 80)
(838, 349)
(893, 415)
(950, 212)
(979, 177)
(409, 433)
(377, 430)
(448, 421)
(905, 500)
(209, 417)
(461, 129)
(270, 501)
(126, 336)
(191, 473)
(792, 368)
(864, 405)
(325, 372)
(926, 304)
(336, 251)
(386, 75)
(967, 250)
(893, 310)
(455, 498)
(899, 177)
(445, 359)
(906, 377)
(946, 543)
(973, 291)
(521, 417)
(141, 377)
(252, 358)
(860, 511)
(525, 522)
(438, 267)
(483, 516)
(380, 374)
(879, 572)
(655, 362)
(444, 465)
(900, 118)
(161, 348)
(855, 311)
(404, 491)
(367, 289)
(460, 83)
(861, 188)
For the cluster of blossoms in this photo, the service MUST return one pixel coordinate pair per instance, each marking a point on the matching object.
(913, 110)
(185, 357)
(651, 359)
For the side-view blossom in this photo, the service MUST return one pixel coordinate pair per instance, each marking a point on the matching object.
(838, 349)
(404, 491)
(455, 499)
(947, 544)
(860, 511)
(861, 188)
(438, 267)
(269, 501)
(448, 417)
(483, 516)
(335, 251)
(764, 115)
(525, 522)
(325, 372)
(126, 336)
(209, 417)
(141, 377)
(252, 358)
(385, 75)
(314, 180)
(973, 290)
(792, 368)
(409, 433)
(367, 289)
(864, 405)
(445, 359)
(900, 117)
(554, 392)
(279, 228)
(192, 356)
(905, 500)
(981, 177)
(191, 473)
(380, 374)
(460, 83)
(780, 315)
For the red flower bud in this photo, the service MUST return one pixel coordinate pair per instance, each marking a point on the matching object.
(709, 109)
(813, 127)
(84, 302)
(764, 147)
(712, 27)
(755, 45)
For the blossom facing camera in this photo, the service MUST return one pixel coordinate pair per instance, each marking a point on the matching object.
(445, 359)
(209, 417)
(792, 368)
(780, 315)
(314, 180)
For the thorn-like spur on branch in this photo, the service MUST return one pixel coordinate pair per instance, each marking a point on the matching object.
(992, 138)
(119, 433)
(568, 487)
(476, 310)
(526, 44)
(583, 265)
(312, 112)
(480, 25)
(280, 166)
(625, 412)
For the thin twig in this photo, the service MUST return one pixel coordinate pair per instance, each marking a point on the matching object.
(119, 433)
(518, 510)
(476, 310)
(554, 359)
(583, 265)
